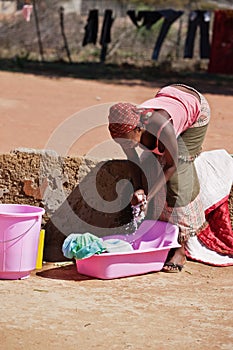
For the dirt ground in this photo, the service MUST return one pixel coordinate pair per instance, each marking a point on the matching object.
(57, 308)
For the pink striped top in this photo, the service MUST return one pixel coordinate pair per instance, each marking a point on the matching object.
(183, 108)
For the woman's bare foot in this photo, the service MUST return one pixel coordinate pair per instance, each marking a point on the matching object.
(176, 263)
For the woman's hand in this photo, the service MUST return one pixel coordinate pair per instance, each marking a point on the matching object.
(139, 197)
(139, 206)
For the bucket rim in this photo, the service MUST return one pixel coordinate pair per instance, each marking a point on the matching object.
(38, 211)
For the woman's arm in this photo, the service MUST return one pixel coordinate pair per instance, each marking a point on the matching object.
(131, 154)
(164, 176)
(135, 167)
(169, 158)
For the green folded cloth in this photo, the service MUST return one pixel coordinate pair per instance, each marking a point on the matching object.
(82, 245)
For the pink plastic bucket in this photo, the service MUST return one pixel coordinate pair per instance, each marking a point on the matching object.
(19, 237)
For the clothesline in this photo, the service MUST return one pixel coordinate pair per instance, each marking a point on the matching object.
(147, 19)
(219, 51)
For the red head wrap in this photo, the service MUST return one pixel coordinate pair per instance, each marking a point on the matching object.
(123, 118)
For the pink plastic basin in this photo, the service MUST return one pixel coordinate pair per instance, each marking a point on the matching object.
(151, 243)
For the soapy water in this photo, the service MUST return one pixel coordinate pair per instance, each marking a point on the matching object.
(139, 214)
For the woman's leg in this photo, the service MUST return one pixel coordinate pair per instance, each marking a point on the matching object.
(189, 218)
(175, 262)
(188, 215)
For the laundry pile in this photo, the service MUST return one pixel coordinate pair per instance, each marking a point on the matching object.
(80, 246)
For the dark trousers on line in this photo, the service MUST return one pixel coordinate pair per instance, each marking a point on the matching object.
(198, 19)
(170, 16)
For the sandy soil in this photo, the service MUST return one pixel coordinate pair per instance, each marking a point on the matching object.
(71, 114)
(56, 308)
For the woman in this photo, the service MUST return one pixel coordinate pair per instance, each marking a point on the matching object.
(172, 126)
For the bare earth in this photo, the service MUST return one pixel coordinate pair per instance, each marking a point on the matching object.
(57, 308)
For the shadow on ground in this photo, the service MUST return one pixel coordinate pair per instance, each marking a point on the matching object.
(68, 273)
(122, 74)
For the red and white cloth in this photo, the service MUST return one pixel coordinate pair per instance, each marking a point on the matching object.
(214, 244)
(123, 118)
(27, 11)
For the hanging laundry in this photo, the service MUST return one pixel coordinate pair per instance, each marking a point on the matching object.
(91, 28)
(221, 57)
(105, 37)
(200, 19)
(170, 16)
(132, 15)
(27, 11)
(106, 28)
(148, 18)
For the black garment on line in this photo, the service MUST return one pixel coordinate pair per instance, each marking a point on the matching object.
(133, 17)
(91, 28)
(201, 19)
(170, 16)
(106, 28)
(149, 18)
(105, 37)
